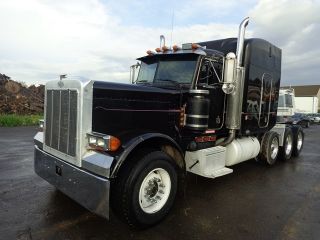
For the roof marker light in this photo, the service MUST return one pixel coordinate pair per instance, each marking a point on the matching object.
(176, 48)
(195, 46)
(165, 48)
(149, 52)
(158, 50)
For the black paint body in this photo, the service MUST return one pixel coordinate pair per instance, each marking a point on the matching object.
(130, 110)
(262, 63)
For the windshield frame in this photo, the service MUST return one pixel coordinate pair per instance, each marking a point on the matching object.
(170, 57)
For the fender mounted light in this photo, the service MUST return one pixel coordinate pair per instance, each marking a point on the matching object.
(101, 142)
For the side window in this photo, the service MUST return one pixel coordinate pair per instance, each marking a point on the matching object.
(210, 72)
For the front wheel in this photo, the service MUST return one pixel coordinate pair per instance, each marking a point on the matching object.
(146, 190)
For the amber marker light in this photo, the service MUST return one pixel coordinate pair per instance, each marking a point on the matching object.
(165, 48)
(114, 143)
(182, 117)
(175, 48)
(158, 50)
(149, 52)
(195, 46)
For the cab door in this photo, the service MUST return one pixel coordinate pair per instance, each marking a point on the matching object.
(210, 78)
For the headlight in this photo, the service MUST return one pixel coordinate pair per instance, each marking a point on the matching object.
(41, 124)
(102, 142)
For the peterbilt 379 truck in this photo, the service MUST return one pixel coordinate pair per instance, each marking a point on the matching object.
(198, 108)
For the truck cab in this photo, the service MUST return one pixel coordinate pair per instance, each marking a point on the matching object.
(286, 103)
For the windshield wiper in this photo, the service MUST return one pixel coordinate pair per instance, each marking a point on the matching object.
(143, 81)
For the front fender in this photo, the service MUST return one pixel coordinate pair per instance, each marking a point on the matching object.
(134, 142)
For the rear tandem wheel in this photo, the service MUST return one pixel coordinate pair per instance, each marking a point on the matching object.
(269, 148)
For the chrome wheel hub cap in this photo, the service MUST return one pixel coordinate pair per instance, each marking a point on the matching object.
(288, 145)
(274, 148)
(154, 190)
(299, 141)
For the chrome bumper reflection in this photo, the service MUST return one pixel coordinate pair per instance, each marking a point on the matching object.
(89, 190)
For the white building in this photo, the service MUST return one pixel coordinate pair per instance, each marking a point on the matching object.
(307, 98)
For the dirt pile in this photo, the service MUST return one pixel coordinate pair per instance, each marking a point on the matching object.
(17, 98)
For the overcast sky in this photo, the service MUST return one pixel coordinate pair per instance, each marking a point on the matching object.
(100, 39)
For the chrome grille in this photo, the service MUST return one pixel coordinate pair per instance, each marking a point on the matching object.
(61, 120)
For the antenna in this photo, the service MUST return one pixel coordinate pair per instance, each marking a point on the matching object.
(172, 22)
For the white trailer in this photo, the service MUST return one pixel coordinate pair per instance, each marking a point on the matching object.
(306, 104)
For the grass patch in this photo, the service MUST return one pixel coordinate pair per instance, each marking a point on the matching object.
(13, 120)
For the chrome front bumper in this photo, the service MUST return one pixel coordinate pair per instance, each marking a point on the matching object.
(89, 190)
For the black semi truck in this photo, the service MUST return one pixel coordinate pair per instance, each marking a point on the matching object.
(200, 108)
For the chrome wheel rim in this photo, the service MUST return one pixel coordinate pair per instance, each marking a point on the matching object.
(288, 145)
(274, 148)
(154, 190)
(299, 141)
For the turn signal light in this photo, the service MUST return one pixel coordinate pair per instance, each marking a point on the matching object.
(182, 119)
(114, 143)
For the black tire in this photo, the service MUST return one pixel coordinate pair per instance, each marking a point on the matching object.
(126, 191)
(287, 148)
(297, 145)
(267, 149)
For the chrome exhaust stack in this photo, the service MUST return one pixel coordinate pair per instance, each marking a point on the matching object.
(240, 42)
(233, 85)
(234, 106)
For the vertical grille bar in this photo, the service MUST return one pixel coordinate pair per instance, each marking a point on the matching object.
(73, 123)
(61, 120)
(64, 115)
(48, 118)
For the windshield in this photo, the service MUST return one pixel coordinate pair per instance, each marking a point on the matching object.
(167, 70)
(288, 100)
(285, 101)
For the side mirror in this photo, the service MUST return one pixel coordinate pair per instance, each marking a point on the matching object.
(133, 69)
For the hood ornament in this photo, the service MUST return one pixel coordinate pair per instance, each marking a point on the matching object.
(60, 83)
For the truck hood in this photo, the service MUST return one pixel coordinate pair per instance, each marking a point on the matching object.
(122, 108)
